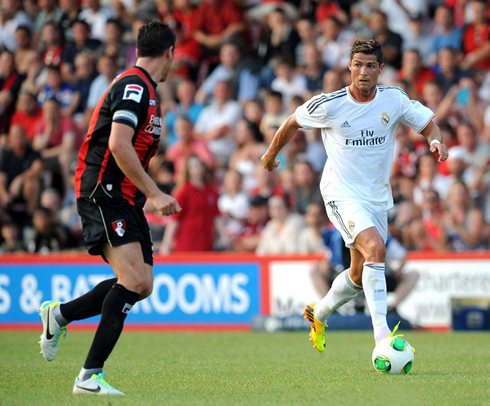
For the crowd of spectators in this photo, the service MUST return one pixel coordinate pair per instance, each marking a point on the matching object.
(240, 68)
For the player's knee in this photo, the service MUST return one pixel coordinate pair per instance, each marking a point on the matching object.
(376, 251)
(147, 289)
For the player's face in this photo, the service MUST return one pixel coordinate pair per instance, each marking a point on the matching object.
(364, 70)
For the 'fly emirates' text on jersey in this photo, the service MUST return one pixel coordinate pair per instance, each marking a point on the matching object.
(359, 140)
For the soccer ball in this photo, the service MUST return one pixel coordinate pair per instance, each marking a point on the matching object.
(393, 355)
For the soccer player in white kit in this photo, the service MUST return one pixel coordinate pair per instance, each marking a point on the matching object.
(358, 125)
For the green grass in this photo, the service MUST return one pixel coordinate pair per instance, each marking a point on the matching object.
(249, 369)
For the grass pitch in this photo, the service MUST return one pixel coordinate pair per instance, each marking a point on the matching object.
(249, 369)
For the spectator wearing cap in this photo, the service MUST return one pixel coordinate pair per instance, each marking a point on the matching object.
(11, 237)
(56, 139)
(113, 45)
(391, 42)
(446, 34)
(334, 43)
(20, 174)
(215, 22)
(234, 70)
(414, 72)
(96, 15)
(10, 84)
(306, 186)
(25, 50)
(476, 46)
(258, 216)
(189, 145)
(27, 113)
(12, 17)
(52, 44)
(216, 123)
(281, 234)
(81, 41)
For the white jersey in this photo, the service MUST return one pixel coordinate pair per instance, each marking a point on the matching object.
(359, 140)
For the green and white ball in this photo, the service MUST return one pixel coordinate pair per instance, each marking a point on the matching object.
(393, 355)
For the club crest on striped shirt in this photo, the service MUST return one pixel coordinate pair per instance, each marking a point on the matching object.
(385, 118)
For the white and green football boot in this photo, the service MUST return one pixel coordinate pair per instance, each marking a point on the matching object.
(51, 330)
(96, 385)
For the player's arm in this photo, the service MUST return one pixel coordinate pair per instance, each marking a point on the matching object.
(433, 135)
(120, 144)
(283, 135)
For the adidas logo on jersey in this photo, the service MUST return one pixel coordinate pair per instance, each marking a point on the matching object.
(345, 124)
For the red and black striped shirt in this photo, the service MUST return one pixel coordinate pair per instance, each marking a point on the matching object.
(131, 99)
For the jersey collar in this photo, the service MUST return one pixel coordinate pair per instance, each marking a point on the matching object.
(147, 75)
(351, 98)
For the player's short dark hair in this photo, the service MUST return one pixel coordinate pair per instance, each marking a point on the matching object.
(367, 47)
(154, 39)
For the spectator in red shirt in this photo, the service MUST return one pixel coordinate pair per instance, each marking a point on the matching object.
(476, 45)
(216, 21)
(193, 229)
(56, 139)
(188, 50)
(188, 145)
(27, 113)
(414, 72)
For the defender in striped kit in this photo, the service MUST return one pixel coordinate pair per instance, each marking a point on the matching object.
(358, 125)
(112, 185)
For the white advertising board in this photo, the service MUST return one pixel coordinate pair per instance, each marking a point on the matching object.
(428, 305)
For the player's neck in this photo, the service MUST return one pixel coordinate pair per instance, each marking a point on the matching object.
(152, 66)
(360, 96)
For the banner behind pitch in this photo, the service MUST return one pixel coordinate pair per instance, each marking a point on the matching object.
(182, 293)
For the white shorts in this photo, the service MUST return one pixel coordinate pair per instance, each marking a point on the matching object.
(350, 218)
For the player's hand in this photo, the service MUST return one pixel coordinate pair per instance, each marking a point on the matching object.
(165, 204)
(441, 149)
(269, 163)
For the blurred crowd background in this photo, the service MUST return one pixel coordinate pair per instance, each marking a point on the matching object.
(240, 68)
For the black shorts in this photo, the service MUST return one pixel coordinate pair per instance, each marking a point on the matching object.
(115, 221)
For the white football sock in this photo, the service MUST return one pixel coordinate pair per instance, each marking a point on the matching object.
(374, 284)
(342, 290)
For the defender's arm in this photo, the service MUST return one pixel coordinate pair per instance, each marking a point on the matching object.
(120, 144)
(433, 135)
(282, 137)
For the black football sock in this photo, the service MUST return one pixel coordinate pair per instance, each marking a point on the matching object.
(87, 305)
(115, 308)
